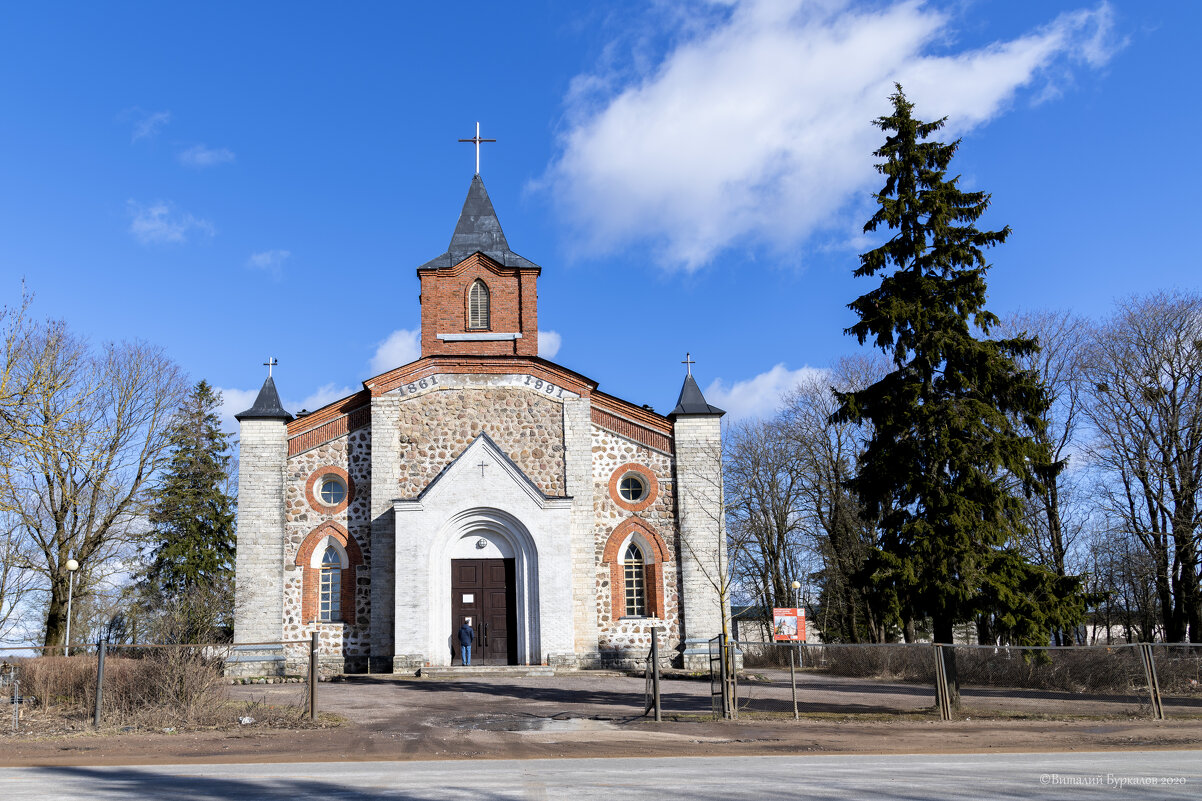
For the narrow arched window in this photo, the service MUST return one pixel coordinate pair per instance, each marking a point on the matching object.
(331, 585)
(634, 575)
(477, 305)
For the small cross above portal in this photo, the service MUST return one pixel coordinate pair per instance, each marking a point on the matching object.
(271, 362)
(476, 140)
(688, 363)
(482, 465)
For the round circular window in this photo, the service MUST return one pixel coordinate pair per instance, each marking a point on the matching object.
(632, 488)
(333, 490)
(329, 489)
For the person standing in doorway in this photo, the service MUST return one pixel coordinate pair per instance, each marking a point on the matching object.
(466, 636)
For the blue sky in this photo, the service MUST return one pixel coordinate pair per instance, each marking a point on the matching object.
(237, 181)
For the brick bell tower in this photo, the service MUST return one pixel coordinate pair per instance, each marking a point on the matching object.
(479, 298)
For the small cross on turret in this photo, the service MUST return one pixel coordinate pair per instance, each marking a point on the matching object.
(271, 362)
(688, 363)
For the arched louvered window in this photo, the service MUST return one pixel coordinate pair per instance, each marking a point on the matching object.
(636, 589)
(330, 602)
(477, 305)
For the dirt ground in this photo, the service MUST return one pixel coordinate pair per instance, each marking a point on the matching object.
(387, 718)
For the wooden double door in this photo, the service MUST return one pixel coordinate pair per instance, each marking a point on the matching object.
(482, 593)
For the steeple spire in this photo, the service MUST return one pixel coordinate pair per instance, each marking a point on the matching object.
(267, 405)
(691, 401)
(478, 231)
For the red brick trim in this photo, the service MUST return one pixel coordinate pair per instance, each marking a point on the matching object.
(653, 576)
(320, 473)
(631, 413)
(311, 576)
(492, 365)
(330, 411)
(334, 429)
(645, 473)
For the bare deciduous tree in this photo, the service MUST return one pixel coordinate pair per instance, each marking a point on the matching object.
(78, 485)
(1145, 406)
(1054, 522)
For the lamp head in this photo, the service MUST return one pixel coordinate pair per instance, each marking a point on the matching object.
(796, 585)
(72, 565)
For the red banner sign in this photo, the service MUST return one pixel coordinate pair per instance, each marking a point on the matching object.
(788, 624)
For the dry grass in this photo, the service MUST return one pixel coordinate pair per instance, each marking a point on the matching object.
(156, 689)
(1097, 669)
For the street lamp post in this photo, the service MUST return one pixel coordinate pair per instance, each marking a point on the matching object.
(72, 566)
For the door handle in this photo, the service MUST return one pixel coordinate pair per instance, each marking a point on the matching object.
(484, 636)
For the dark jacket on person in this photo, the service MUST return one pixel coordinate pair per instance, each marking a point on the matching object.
(466, 635)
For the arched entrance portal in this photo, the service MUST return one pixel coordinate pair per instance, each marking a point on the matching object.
(487, 570)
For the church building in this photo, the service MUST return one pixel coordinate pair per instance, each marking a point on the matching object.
(481, 483)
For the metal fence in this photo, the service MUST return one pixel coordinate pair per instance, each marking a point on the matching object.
(159, 686)
(989, 681)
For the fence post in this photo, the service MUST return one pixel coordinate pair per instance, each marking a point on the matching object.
(313, 677)
(793, 682)
(942, 696)
(723, 678)
(16, 702)
(1145, 653)
(659, 716)
(99, 682)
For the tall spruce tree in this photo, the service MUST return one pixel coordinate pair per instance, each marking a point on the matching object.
(947, 453)
(192, 540)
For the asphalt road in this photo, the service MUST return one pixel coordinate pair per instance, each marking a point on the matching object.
(1100, 775)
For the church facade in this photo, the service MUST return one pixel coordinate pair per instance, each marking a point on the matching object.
(481, 483)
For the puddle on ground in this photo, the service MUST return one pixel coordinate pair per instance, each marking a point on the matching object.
(536, 724)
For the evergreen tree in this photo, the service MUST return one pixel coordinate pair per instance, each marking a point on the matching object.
(190, 578)
(947, 450)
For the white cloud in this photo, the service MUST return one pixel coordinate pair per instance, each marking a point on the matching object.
(548, 344)
(269, 261)
(759, 396)
(234, 401)
(199, 156)
(159, 223)
(401, 347)
(754, 127)
(326, 393)
(148, 125)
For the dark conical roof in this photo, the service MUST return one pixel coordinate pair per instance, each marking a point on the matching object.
(267, 405)
(691, 401)
(478, 231)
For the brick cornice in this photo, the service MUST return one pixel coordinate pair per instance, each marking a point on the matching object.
(496, 365)
(328, 412)
(476, 261)
(635, 414)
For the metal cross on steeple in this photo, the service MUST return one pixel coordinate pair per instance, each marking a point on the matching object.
(476, 140)
(271, 362)
(688, 363)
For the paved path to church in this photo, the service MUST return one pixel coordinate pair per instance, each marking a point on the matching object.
(1166, 775)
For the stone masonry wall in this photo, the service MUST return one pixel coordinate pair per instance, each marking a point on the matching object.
(703, 552)
(434, 428)
(257, 603)
(349, 639)
(626, 638)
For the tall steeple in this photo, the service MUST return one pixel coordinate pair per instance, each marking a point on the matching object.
(478, 231)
